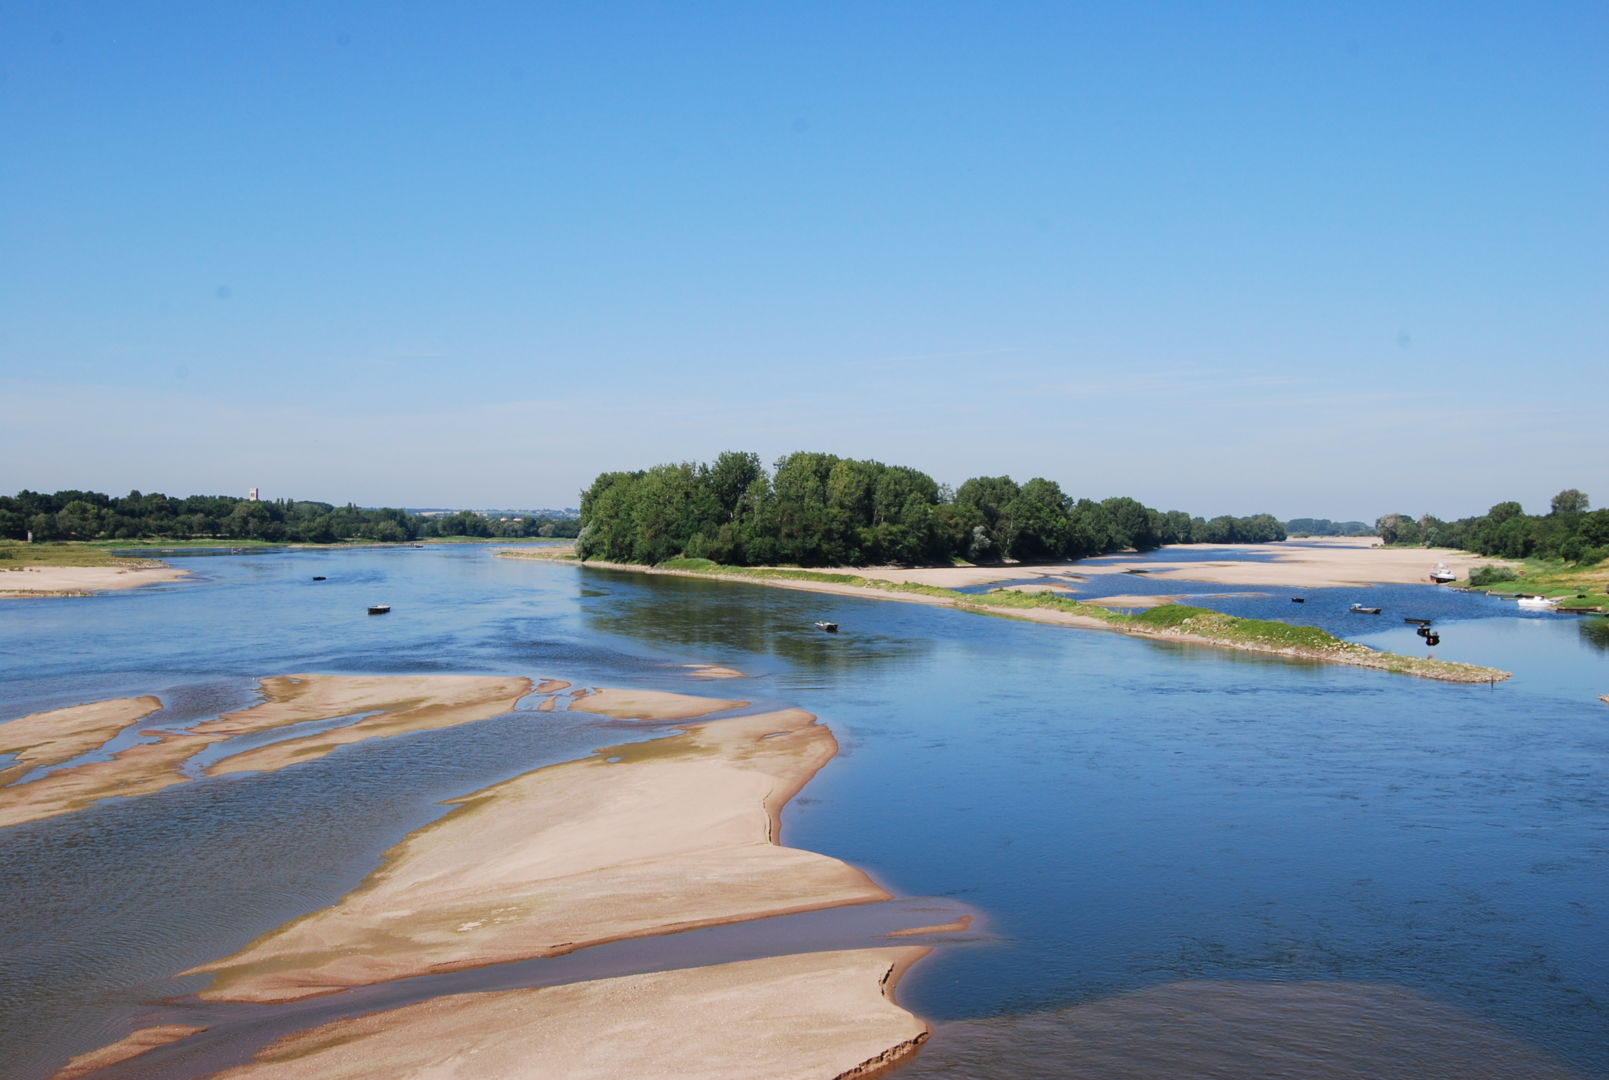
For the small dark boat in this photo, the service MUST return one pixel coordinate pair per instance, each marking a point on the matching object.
(829, 627)
(1298, 599)
(1418, 622)
(379, 609)
(318, 577)
(1359, 609)
(1432, 639)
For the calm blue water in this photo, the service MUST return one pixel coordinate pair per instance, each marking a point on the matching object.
(1124, 814)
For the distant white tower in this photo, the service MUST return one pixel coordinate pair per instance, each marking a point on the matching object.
(251, 494)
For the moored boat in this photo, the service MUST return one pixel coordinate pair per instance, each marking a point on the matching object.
(1537, 602)
(1359, 609)
(1441, 575)
(829, 627)
(379, 609)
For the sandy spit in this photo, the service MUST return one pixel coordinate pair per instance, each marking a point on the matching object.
(49, 738)
(130, 1046)
(818, 1016)
(82, 580)
(641, 839)
(400, 704)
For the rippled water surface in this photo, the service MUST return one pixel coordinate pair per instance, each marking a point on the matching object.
(1128, 818)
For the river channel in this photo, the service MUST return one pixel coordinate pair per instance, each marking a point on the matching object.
(1155, 838)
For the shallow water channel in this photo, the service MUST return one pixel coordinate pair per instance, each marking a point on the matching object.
(1141, 827)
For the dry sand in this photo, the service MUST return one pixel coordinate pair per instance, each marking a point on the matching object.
(402, 703)
(50, 738)
(642, 839)
(1313, 563)
(817, 1016)
(82, 580)
(649, 705)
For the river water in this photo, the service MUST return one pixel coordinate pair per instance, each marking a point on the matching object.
(1185, 861)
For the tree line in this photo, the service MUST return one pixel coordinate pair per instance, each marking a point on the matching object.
(90, 515)
(1569, 531)
(817, 509)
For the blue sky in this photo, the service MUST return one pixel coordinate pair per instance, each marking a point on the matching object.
(1316, 260)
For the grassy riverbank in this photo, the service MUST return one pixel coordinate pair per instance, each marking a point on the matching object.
(1173, 622)
(1571, 585)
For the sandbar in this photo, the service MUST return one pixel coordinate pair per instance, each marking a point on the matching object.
(131, 1045)
(1317, 562)
(82, 580)
(649, 705)
(399, 704)
(640, 839)
(712, 671)
(816, 1016)
(50, 738)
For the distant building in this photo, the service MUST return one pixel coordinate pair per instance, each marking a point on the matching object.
(251, 493)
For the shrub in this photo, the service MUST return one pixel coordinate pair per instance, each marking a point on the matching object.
(1489, 574)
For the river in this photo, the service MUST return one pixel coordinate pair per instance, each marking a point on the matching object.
(1146, 831)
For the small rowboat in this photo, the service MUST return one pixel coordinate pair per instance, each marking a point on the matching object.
(1359, 609)
(829, 627)
(379, 609)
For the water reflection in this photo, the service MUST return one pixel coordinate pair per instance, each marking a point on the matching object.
(1595, 632)
(719, 619)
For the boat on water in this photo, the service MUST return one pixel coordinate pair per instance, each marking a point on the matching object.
(1359, 609)
(1441, 575)
(379, 609)
(829, 627)
(1537, 602)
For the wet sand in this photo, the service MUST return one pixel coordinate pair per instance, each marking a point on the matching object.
(83, 580)
(398, 704)
(131, 1046)
(806, 1017)
(641, 839)
(50, 738)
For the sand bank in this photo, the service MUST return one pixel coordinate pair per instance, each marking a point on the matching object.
(82, 580)
(641, 839)
(1317, 562)
(130, 1046)
(817, 1016)
(397, 704)
(712, 671)
(50, 738)
(649, 705)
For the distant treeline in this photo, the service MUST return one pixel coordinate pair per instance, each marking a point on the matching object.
(1326, 527)
(1569, 531)
(823, 510)
(89, 515)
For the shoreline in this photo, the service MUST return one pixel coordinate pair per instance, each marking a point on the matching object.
(56, 581)
(632, 842)
(1208, 630)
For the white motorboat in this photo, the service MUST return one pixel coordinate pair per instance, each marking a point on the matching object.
(1441, 575)
(1537, 602)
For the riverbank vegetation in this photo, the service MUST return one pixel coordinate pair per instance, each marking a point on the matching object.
(1568, 533)
(91, 515)
(819, 509)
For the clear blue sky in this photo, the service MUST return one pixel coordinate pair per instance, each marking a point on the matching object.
(1310, 259)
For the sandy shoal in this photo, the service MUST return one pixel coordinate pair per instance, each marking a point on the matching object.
(649, 705)
(641, 839)
(399, 704)
(1314, 563)
(49, 580)
(49, 738)
(817, 1016)
(130, 1046)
